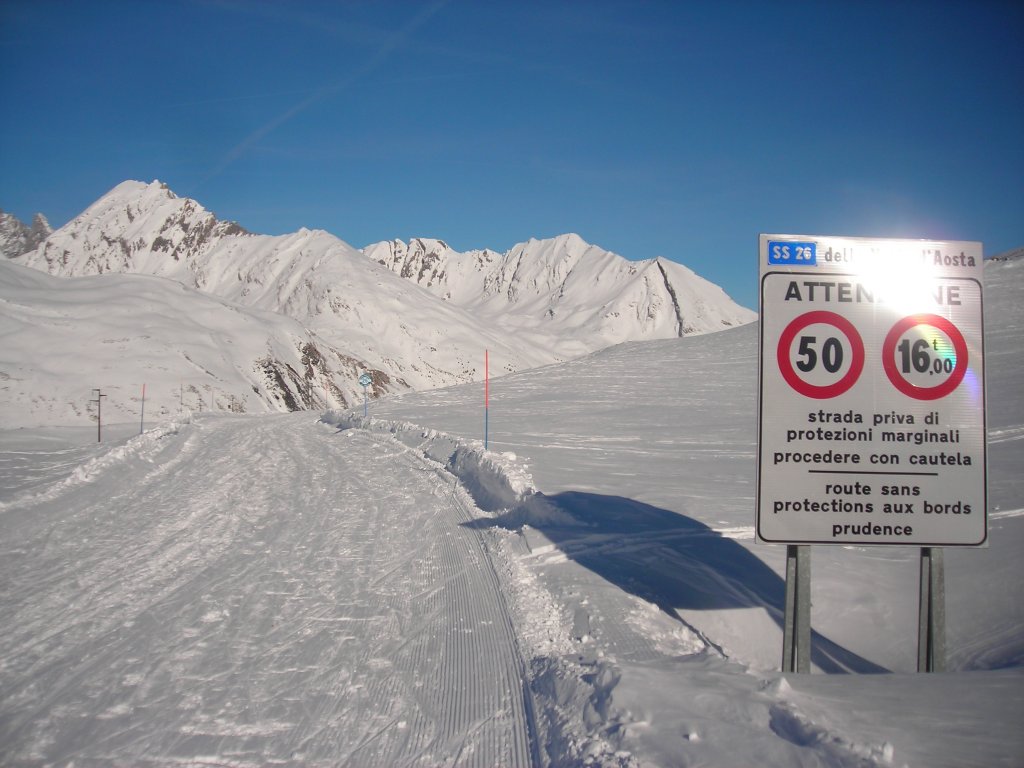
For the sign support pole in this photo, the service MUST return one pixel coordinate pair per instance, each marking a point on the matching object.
(931, 624)
(365, 379)
(796, 639)
(99, 414)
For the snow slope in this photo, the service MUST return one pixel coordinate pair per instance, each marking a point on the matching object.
(543, 302)
(634, 472)
(266, 590)
(62, 337)
(252, 592)
(356, 306)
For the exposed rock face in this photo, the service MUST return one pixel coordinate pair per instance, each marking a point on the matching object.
(16, 238)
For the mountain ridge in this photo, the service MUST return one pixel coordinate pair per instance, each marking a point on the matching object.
(414, 316)
(309, 275)
(539, 282)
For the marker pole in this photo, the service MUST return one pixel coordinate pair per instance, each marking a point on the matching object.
(487, 395)
(99, 414)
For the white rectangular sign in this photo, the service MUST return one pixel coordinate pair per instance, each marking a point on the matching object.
(872, 400)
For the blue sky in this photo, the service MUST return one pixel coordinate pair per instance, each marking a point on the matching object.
(679, 129)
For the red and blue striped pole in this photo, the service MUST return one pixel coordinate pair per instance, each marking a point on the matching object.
(487, 394)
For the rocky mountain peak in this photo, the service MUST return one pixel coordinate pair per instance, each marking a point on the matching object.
(418, 312)
(136, 227)
(17, 238)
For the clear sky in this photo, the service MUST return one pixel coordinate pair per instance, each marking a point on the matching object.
(679, 129)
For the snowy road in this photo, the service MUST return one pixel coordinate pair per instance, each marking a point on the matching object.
(253, 592)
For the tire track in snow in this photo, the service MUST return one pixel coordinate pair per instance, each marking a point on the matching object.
(485, 686)
(278, 594)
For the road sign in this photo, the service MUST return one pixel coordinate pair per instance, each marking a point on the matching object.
(871, 392)
(366, 380)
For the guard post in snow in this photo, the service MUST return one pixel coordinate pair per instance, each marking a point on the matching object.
(99, 414)
(871, 426)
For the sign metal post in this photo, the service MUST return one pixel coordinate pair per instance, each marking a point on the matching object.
(796, 635)
(931, 622)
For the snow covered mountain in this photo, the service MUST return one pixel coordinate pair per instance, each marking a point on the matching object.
(17, 238)
(567, 289)
(421, 320)
(399, 330)
(61, 337)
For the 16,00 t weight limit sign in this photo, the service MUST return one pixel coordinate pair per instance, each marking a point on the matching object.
(820, 354)
(925, 356)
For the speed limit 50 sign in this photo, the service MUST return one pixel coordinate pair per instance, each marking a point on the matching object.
(871, 392)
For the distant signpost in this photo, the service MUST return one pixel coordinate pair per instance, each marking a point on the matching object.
(366, 380)
(871, 423)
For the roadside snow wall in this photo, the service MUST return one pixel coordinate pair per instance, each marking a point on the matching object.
(497, 482)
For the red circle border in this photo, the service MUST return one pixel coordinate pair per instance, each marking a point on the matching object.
(912, 390)
(786, 367)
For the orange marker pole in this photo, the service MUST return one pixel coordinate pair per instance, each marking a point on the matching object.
(487, 394)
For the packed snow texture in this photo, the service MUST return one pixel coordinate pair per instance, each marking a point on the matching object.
(244, 590)
(255, 592)
(640, 471)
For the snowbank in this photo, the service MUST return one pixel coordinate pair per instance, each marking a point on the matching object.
(106, 457)
(498, 483)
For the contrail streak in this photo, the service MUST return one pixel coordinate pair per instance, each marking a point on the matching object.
(368, 66)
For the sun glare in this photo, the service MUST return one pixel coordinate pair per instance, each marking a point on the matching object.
(897, 278)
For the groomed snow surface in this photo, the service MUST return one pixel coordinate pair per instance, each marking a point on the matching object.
(243, 591)
(277, 590)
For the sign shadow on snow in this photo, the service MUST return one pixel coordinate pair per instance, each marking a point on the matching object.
(666, 558)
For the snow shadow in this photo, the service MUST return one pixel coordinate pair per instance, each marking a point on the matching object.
(665, 558)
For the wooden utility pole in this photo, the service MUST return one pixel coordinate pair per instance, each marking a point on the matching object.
(99, 414)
